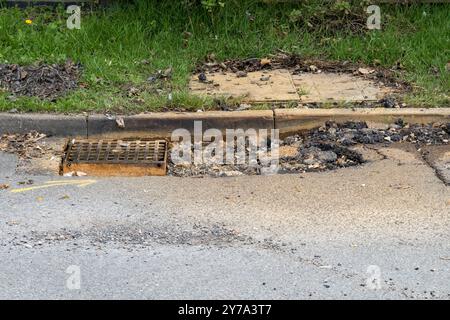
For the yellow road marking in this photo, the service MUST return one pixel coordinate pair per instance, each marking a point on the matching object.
(49, 184)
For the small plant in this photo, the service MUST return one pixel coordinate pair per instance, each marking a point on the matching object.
(342, 6)
(210, 5)
(340, 16)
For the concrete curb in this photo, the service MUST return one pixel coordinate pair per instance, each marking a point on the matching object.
(161, 125)
(52, 125)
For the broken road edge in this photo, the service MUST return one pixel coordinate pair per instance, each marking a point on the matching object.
(161, 125)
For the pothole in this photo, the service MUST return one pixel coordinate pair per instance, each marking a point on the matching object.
(329, 147)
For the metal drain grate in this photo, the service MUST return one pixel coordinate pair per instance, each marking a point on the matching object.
(116, 157)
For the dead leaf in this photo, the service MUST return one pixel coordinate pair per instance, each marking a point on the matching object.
(398, 65)
(4, 186)
(120, 122)
(265, 61)
(75, 174)
(132, 91)
(187, 34)
(365, 71)
(29, 181)
(313, 68)
(168, 72)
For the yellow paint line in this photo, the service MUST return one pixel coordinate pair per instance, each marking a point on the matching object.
(48, 184)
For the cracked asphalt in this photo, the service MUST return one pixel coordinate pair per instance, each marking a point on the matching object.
(294, 236)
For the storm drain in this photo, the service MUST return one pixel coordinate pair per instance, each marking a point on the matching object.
(143, 157)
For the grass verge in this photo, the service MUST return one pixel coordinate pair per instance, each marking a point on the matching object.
(120, 46)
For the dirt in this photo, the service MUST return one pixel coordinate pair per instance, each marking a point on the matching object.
(44, 81)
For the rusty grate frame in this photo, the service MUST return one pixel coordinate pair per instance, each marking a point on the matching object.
(111, 157)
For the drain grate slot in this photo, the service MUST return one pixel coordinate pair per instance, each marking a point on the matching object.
(116, 157)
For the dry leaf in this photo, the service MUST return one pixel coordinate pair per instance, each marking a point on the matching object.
(120, 122)
(365, 71)
(75, 174)
(313, 68)
(4, 186)
(265, 61)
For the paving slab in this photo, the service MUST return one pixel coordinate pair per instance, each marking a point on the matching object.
(323, 87)
(259, 86)
(280, 85)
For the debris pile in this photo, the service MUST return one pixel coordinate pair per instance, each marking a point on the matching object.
(351, 133)
(26, 146)
(42, 81)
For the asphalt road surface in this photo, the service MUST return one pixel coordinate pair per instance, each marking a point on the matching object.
(378, 231)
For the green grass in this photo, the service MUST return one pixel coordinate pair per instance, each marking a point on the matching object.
(113, 42)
